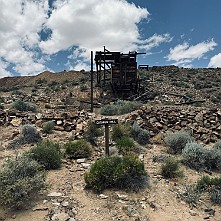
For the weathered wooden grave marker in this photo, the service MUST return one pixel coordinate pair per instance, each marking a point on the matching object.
(106, 123)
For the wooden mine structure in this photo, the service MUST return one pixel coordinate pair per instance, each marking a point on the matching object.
(118, 69)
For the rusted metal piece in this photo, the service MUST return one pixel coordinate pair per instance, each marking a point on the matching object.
(118, 68)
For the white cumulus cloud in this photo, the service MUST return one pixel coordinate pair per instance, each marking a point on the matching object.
(89, 25)
(183, 54)
(215, 61)
(3, 66)
(20, 22)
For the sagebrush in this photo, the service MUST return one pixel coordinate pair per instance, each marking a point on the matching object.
(29, 135)
(48, 127)
(47, 153)
(124, 173)
(177, 141)
(24, 106)
(78, 149)
(171, 168)
(20, 179)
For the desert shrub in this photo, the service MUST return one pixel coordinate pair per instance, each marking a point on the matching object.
(191, 195)
(212, 186)
(120, 130)
(47, 153)
(195, 155)
(47, 106)
(24, 106)
(93, 131)
(1, 106)
(135, 130)
(41, 81)
(140, 135)
(171, 168)
(217, 145)
(78, 149)
(109, 109)
(215, 195)
(205, 183)
(143, 137)
(214, 158)
(125, 173)
(125, 144)
(2, 100)
(48, 127)
(120, 107)
(177, 141)
(29, 135)
(198, 157)
(20, 179)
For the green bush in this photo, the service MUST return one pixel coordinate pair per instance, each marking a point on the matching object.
(217, 145)
(177, 141)
(195, 155)
(214, 158)
(171, 168)
(205, 182)
(215, 195)
(2, 100)
(78, 149)
(120, 107)
(47, 153)
(20, 179)
(24, 106)
(93, 131)
(124, 173)
(109, 109)
(143, 137)
(29, 135)
(198, 157)
(48, 127)
(125, 145)
(140, 135)
(120, 130)
(191, 195)
(212, 186)
(47, 106)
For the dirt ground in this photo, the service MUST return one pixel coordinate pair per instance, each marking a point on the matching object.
(161, 201)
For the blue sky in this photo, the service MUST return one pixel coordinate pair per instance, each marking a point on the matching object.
(59, 34)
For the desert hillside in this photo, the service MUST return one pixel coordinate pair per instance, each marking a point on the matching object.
(182, 101)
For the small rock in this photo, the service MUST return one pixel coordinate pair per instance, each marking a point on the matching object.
(16, 122)
(54, 194)
(56, 204)
(74, 211)
(65, 204)
(63, 217)
(81, 160)
(102, 196)
(85, 165)
(122, 197)
(193, 213)
(72, 219)
(40, 207)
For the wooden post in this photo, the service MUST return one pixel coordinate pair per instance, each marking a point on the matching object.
(104, 67)
(106, 123)
(107, 152)
(92, 79)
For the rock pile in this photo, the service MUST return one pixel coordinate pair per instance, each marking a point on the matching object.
(64, 121)
(203, 123)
